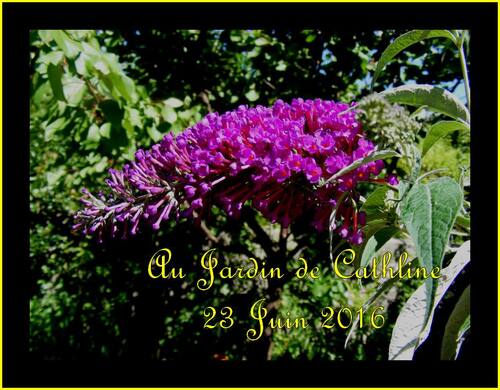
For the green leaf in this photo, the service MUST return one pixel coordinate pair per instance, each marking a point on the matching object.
(135, 117)
(440, 130)
(74, 90)
(375, 203)
(404, 41)
(375, 243)
(54, 175)
(252, 95)
(381, 289)
(112, 111)
(93, 134)
(174, 102)
(55, 126)
(417, 112)
(168, 114)
(129, 128)
(458, 317)
(91, 50)
(403, 188)
(310, 38)
(462, 335)
(465, 327)
(235, 38)
(379, 214)
(101, 165)
(281, 67)
(83, 64)
(102, 67)
(70, 48)
(417, 164)
(375, 155)
(105, 130)
(53, 57)
(152, 112)
(436, 98)
(123, 86)
(463, 221)
(262, 42)
(154, 133)
(55, 78)
(407, 334)
(45, 36)
(429, 212)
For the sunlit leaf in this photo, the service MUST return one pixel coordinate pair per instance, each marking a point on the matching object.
(105, 130)
(53, 127)
(440, 130)
(53, 57)
(403, 42)
(74, 89)
(154, 133)
(168, 114)
(174, 102)
(437, 98)
(410, 329)
(70, 48)
(102, 67)
(93, 133)
(252, 95)
(262, 41)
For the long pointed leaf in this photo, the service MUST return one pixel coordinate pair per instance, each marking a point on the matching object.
(459, 315)
(404, 41)
(375, 242)
(436, 98)
(381, 289)
(429, 212)
(407, 334)
(440, 130)
(374, 156)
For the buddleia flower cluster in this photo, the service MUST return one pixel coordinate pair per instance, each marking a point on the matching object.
(276, 159)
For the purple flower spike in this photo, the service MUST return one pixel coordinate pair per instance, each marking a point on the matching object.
(272, 158)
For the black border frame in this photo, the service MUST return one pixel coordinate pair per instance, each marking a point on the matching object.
(19, 370)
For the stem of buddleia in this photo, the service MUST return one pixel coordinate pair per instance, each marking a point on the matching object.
(463, 64)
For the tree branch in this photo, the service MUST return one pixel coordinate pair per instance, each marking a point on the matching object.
(261, 236)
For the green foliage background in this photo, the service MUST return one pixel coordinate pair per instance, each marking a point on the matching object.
(97, 96)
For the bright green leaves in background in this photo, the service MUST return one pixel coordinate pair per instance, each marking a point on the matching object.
(84, 76)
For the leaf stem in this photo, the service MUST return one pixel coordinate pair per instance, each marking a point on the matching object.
(463, 64)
